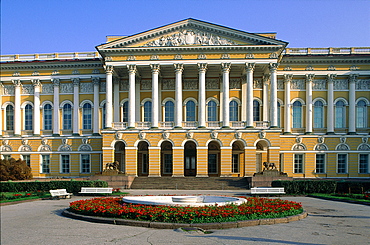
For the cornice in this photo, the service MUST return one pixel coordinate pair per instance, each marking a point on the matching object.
(326, 60)
(67, 65)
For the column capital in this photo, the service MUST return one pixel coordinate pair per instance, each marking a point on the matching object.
(266, 78)
(155, 68)
(96, 80)
(273, 67)
(76, 82)
(310, 77)
(56, 82)
(330, 77)
(202, 67)
(288, 77)
(179, 68)
(226, 67)
(17, 83)
(250, 67)
(109, 69)
(36, 82)
(132, 69)
(353, 78)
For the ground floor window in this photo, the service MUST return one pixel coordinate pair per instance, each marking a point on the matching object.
(320, 163)
(298, 163)
(65, 164)
(235, 163)
(45, 164)
(167, 164)
(85, 163)
(342, 164)
(212, 163)
(364, 164)
(27, 159)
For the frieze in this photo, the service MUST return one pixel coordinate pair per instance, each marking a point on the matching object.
(341, 85)
(124, 85)
(362, 84)
(103, 87)
(190, 84)
(8, 90)
(319, 85)
(168, 84)
(86, 88)
(214, 84)
(297, 84)
(146, 84)
(27, 89)
(257, 84)
(66, 88)
(235, 83)
(280, 84)
(47, 88)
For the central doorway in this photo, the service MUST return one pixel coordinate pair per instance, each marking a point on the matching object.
(190, 159)
(120, 156)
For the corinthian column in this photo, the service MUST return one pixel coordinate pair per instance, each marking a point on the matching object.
(116, 111)
(76, 106)
(178, 95)
(202, 68)
(226, 94)
(330, 115)
(309, 79)
(250, 68)
(56, 116)
(96, 82)
(273, 95)
(155, 95)
(36, 109)
(17, 107)
(352, 104)
(288, 119)
(266, 79)
(108, 97)
(131, 95)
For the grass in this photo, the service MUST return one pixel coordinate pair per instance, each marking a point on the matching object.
(345, 197)
(22, 196)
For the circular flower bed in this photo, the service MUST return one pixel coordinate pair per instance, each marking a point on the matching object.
(255, 208)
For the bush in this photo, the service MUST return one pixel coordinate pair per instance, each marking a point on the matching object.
(70, 186)
(14, 170)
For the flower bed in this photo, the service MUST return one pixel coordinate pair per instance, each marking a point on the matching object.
(255, 208)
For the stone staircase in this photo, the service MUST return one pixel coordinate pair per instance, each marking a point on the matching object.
(191, 183)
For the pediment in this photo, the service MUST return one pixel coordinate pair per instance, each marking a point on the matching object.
(190, 32)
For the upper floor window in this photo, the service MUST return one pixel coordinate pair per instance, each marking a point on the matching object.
(278, 114)
(104, 112)
(67, 117)
(48, 117)
(297, 114)
(169, 111)
(148, 111)
(28, 111)
(86, 116)
(361, 116)
(190, 111)
(125, 112)
(318, 120)
(340, 114)
(65, 164)
(9, 117)
(256, 111)
(234, 112)
(342, 164)
(212, 111)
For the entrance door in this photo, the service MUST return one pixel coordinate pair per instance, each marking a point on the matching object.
(190, 166)
(258, 162)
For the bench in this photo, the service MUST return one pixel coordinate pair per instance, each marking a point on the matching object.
(95, 190)
(60, 193)
(267, 190)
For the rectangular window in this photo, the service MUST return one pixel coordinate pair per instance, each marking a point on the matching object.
(85, 163)
(167, 164)
(45, 164)
(27, 159)
(212, 163)
(364, 164)
(64, 164)
(298, 163)
(235, 163)
(342, 164)
(320, 163)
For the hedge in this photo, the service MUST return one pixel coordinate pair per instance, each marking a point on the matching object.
(322, 186)
(71, 186)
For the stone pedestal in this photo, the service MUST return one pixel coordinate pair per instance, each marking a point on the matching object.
(265, 178)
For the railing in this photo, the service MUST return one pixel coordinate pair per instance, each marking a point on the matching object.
(166, 124)
(120, 125)
(327, 51)
(192, 124)
(51, 56)
(213, 124)
(143, 125)
(261, 124)
(237, 124)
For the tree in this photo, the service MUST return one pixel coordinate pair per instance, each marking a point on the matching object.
(14, 170)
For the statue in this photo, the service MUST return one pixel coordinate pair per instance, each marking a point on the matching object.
(112, 165)
(269, 166)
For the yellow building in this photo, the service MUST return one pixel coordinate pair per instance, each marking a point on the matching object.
(189, 99)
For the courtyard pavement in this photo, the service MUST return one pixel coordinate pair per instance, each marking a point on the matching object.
(41, 222)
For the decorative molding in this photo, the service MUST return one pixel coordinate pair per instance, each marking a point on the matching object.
(214, 135)
(225, 56)
(142, 135)
(146, 84)
(189, 135)
(55, 73)
(273, 67)
(257, 84)
(310, 77)
(76, 72)
(103, 87)
(165, 135)
(331, 68)
(280, 84)
(168, 84)
(321, 147)
(319, 85)
(321, 139)
(213, 84)
(262, 134)
(342, 147)
(179, 68)
(96, 80)
(8, 90)
(124, 85)
(47, 88)
(86, 88)
(96, 71)
(190, 84)
(66, 88)
(154, 57)
(76, 82)
(287, 68)
(363, 147)
(36, 82)
(309, 68)
(235, 83)
(249, 56)
(155, 68)
(28, 89)
(36, 73)
(249, 67)
(178, 57)
(202, 67)
(362, 84)
(16, 74)
(131, 58)
(299, 147)
(56, 81)
(341, 84)
(238, 135)
(202, 57)
(297, 84)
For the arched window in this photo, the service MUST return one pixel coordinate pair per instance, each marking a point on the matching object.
(297, 114)
(148, 111)
(361, 116)
(169, 111)
(256, 111)
(104, 112)
(234, 112)
(278, 114)
(212, 111)
(48, 117)
(190, 111)
(86, 116)
(9, 117)
(67, 117)
(318, 118)
(125, 112)
(340, 114)
(28, 112)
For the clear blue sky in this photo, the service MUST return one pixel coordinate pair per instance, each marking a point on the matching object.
(45, 26)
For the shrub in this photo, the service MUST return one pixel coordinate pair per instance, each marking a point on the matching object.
(14, 170)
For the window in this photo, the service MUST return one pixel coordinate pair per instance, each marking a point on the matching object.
(45, 164)
(64, 164)
(298, 163)
(27, 159)
(320, 163)
(361, 114)
(28, 111)
(234, 112)
(86, 116)
(167, 163)
(125, 112)
(342, 164)
(318, 120)
(340, 114)
(364, 164)
(297, 114)
(212, 163)
(104, 112)
(9, 117)
(212, 111)
(278, 115)
(67, 117)
(256, 111)
(85, 163)
(148, 111)
(169, 111)
(190, 111)
(48, 117)
(235, 163)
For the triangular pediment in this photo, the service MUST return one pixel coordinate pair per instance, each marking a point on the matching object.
(190, 32)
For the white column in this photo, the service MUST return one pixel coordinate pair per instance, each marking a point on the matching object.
(36, 107)
(309, 112)
(330, 115)
(131, 96)
(202, 68)
(226, 94)
(116, 113)
(288, 119)
(108, 97)
(76, 106)
(96, 81)
(244, 100)
(178, 95)
(266, 79)
(56, 116)
(250, 69)
(1, 110)
(352, 104)
(155, 94)
(273, 94)
(17, 107)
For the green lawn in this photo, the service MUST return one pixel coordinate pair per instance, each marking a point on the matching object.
(347, 197)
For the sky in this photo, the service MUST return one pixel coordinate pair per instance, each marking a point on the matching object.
(49, 26)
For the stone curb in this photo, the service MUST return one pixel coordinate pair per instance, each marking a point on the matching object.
(204, 226)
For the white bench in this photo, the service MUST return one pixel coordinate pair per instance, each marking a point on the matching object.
(60, 193)
(267, 190)
(95, 190)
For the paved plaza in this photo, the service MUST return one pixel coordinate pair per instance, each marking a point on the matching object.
(41, 222)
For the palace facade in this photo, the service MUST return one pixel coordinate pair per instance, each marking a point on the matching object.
(189, 99)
